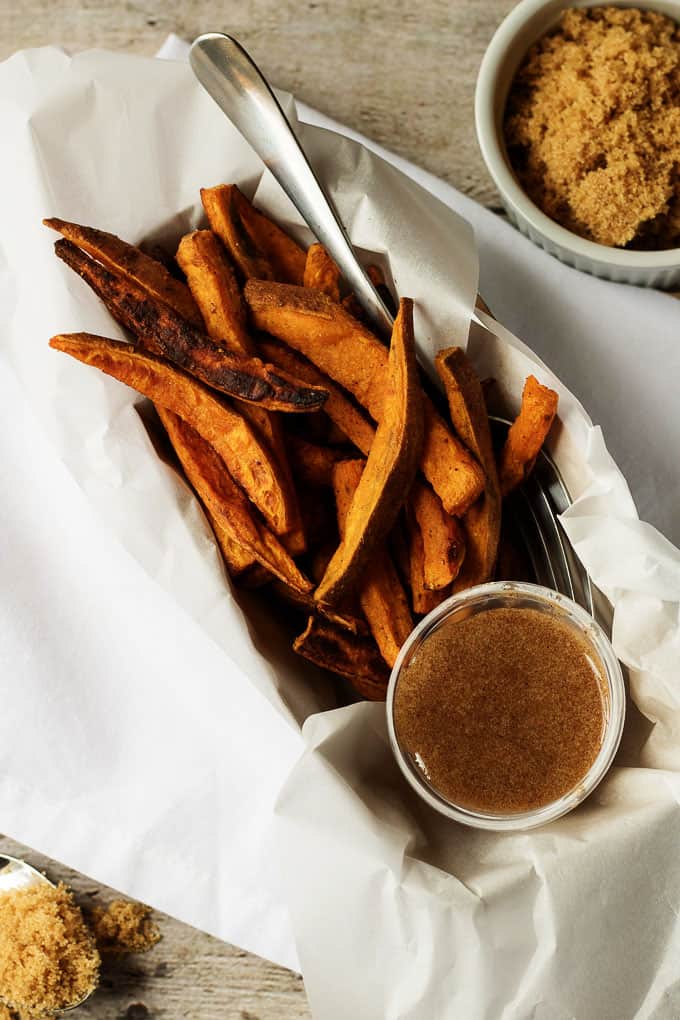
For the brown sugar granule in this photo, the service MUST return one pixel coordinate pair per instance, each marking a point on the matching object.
(48, 959)
(502, 711)
(592, 126)
(124, 927)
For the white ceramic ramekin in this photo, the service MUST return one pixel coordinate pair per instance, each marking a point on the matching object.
(524, 25)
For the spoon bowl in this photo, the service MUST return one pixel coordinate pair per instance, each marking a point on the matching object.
(16, 874)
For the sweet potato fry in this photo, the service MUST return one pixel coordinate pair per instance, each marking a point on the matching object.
(482, 522)
(226, 504)
(160, 330)
(222, 209)
(312, 464)
(527, 434)
(390, 467)
(340, 346)
(444, 544)
(213, 285)
(381, 594)
(423, 599)
(131, 263)
(306, 603)
(355, 657)
(321, 272)
(284, 255)
(339, 407)
(442, 537)
(248, 459)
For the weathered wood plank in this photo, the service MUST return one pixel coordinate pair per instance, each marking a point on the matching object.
(404, 74)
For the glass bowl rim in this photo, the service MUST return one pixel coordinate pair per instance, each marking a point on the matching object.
(593, 632)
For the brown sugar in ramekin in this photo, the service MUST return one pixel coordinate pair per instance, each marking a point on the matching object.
(592, 126)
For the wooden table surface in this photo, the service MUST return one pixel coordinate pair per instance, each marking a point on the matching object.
(404, 75)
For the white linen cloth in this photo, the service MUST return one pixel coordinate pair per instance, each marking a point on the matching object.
(144, 739)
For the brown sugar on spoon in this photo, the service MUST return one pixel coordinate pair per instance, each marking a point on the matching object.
(48, 959)
(592, 126)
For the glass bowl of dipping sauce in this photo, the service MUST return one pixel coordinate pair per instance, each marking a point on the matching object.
(506, 705)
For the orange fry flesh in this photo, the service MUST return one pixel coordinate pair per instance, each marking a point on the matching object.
(482, 522)
(345, 350)
(213, 285)
(321, 272)
(226, 504)
(381, 593)
(160, 330)
(132, 263)
(284, 255)
(527, 434)
(390, 467)
(248, 459)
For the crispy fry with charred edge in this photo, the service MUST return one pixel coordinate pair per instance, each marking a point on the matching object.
(160, 330)
(442, 537)
(381, 594)
(339, 408)
(213, 285)
(355, 657)
(468, 411)
(423, 600)
(226, 505)
(307, 604)
(444, 545)
(248, 459)
(390, 467)
(527, 434)
(131, 263)
(321, 272)
(284, 255)
(344, 349)
(312, 464)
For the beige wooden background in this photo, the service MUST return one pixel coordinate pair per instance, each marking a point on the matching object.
(402, 73)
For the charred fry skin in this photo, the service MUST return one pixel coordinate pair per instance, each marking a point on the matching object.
(390, 467)
(381, 594)
(213, 285)
(131, 263)
(249, 460)
(160, 330)
(307, 604)
(527, 434)
(321, 272)
(352, 656)
(346, 351)
(226, 504)
(468, 411)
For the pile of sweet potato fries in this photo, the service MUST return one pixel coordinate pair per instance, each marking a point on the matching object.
(330, 477)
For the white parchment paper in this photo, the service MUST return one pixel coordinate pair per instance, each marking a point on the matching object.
(149, 726)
